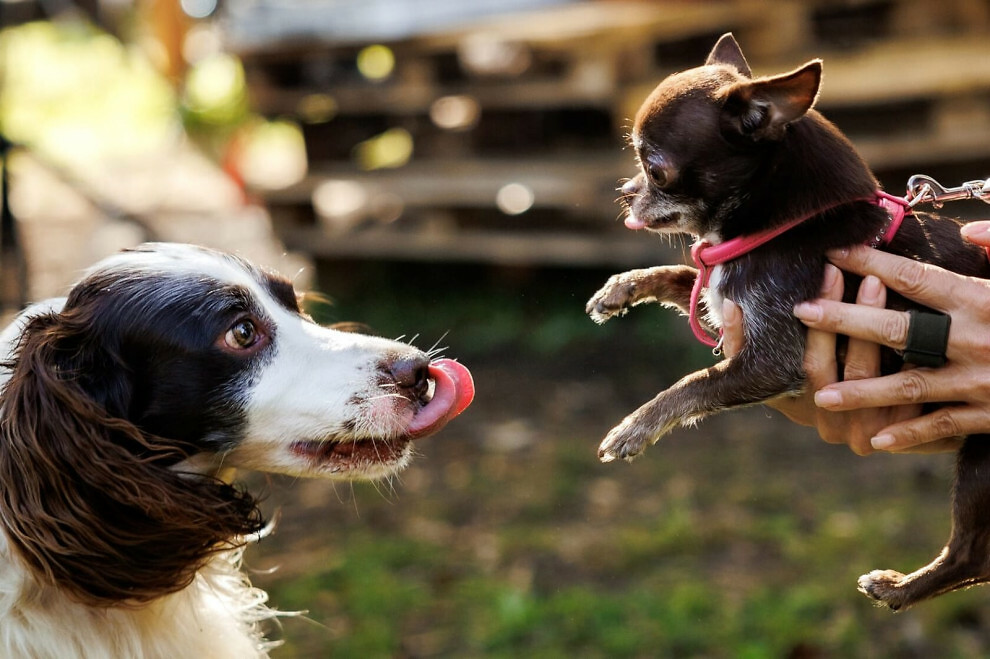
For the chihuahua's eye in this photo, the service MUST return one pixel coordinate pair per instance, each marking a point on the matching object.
(657, 174)
(243, 334)
(660, 172)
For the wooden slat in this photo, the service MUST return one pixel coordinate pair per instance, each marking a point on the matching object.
(586, 182)
(504, 248)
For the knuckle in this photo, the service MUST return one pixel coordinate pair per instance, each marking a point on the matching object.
(857, 439)
(910, 278)
(832, 438)
(913, 388)
(893, 330)
(857, 370)
(833, 433)
(814, 365)
(944, 424)
(861, 446)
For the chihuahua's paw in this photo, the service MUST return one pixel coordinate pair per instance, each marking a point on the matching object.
(612, 299)
(884, 586)
(620, 292)
(626, 441)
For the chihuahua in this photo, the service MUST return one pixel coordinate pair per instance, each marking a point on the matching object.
(722, 156)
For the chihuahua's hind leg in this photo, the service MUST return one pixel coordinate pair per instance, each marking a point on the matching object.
(965, 560)
(669, 285)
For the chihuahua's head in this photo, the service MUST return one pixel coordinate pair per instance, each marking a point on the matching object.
(706, 136)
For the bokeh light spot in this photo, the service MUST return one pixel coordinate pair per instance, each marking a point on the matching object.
(376, 62)
(514, 198)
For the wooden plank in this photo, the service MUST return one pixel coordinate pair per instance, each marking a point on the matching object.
(584, 24)
(895, 71)
(504, 248)
(925, 150)
(586, 182)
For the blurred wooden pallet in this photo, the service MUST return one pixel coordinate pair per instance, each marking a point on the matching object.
(909, 84)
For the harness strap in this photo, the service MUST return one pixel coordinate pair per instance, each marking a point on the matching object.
(706, 255)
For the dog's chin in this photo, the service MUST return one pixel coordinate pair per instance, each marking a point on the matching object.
(362, 459)
(667, 223)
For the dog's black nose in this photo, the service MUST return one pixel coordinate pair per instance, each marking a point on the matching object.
(411, 375)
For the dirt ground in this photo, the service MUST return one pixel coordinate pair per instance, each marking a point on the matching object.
(512, 492)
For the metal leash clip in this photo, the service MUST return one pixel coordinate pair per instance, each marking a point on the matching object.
(924, 188)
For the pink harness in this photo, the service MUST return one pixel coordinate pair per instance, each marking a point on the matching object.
(706, 256)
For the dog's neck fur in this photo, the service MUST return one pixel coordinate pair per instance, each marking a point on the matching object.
(219, 612)
(813, 168)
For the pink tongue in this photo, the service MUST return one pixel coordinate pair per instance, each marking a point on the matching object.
(453, 393)
(634, 223)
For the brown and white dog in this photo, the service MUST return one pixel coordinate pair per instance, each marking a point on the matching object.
(726, 156)
(119, 406)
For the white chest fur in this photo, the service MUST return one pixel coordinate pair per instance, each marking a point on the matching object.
(713, 297)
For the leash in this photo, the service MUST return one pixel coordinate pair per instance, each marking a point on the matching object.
(706, 255)
(920, 189)
(924, 188)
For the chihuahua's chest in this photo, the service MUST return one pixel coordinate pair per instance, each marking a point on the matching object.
(714, 296)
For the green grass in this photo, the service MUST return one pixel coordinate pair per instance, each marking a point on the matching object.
(742, 537)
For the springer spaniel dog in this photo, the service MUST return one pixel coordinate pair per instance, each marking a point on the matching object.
(121, 404)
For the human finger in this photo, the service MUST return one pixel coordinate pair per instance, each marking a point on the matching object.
(924, 283)
(733, 338)
(977, 233)
(820, 365)
(872, 324)
(907, 387)
(863, 357)
(942, 424)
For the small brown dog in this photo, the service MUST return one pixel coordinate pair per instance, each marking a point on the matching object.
(723, 156)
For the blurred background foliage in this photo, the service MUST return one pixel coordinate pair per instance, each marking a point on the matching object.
(445, 172)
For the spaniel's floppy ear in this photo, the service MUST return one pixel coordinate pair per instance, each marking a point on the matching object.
(88, 500)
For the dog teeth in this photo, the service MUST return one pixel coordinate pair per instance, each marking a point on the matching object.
(431, 389)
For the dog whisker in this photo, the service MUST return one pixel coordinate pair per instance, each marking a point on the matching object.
(434, 348)
(383, 396)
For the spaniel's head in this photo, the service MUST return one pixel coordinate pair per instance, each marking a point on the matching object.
(164, 363)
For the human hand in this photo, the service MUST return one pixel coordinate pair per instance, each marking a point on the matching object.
(869, 412)
(963, 384)
(855, 427)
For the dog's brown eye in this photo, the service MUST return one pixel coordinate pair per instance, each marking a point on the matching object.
(242, 335)
(657, 174)
(659, 170)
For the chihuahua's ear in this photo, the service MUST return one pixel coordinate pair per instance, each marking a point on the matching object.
(761, 109)
(727, 51)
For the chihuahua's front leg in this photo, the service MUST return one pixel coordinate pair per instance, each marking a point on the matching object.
(669, 285)
(752, 376)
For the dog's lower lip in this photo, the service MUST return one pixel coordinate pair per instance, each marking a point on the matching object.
(343, 455)
(661, 222)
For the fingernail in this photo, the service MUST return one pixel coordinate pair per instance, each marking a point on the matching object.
(827, 398)
(882, 442)
(730, 311)
(869, 290)
(809, 311)
(838, 254)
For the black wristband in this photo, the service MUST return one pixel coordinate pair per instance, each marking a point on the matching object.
(928, 336)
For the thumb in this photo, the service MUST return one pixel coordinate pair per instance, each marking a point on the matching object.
(977, 233)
